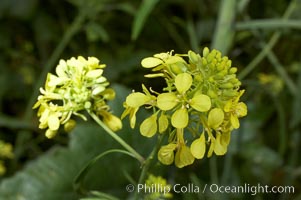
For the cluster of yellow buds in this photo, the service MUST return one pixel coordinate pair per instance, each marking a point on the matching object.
(78, 85)
(6, 151)
(156, 187)
(199, 106)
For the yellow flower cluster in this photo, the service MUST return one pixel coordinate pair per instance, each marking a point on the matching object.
(200, 101)
(78, 85)
(156, 187)
(6, 151)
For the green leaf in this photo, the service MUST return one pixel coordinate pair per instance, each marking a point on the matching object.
(145, 9)
(95, 31)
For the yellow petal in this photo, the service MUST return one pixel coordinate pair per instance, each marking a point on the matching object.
(183, 157)
(183, 82)
(133, 117)
(228, 106)
(166, 154)
(234, 121)
(148, 128)
(94, 73)
(241, 109)
(151, 62)
(180, 117)
(215, 117)
(50, 133)
(163, 123)
(113, 122)
(136, 99)
(53, 122)
(166, 101)
(201, 102)
(219, 149)
(198, 147)
(225, 138)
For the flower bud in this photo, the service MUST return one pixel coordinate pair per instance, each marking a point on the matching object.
(69, 125)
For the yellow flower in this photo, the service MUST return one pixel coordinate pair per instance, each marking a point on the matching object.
(236, 110)
(201, 94)
(78, 85)
(134, 101)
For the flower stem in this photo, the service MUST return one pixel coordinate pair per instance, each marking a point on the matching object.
(147, 163)
(117, 138)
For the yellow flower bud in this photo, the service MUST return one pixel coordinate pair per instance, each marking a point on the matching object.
(193, 57)
(50, 133)
(69, 125)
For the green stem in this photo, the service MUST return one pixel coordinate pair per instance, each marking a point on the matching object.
(147, 163)
(117, 138)
(78, 181)
(264, 52)
(224, 32)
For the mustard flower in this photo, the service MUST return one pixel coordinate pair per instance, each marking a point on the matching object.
(78, 85)
(201, 101)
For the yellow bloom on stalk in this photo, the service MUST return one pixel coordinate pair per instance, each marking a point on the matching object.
(78, 85)
(201, 98)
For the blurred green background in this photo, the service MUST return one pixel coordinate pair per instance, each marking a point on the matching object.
(262, 38)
